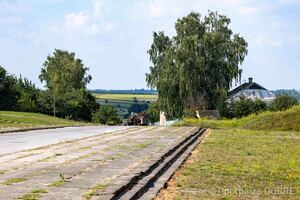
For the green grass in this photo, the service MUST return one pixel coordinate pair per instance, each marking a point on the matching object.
(57, 183)
(140, 97)
(93, 191)
(121, 102)
(33, 195)
(281, 121)
(232, 163)
(14, 180)
(10, 119)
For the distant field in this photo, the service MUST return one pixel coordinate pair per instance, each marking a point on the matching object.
(140, 97)
(19, 120)
(123, 101)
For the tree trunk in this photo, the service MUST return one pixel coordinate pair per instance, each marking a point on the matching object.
(54, 105)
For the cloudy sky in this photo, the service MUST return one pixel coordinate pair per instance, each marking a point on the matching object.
(112, 36)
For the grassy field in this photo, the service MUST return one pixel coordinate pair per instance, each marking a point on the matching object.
(256, 157)
(123, 101)
(19, 120)
(281, 121)
(240, 164)
(140, 97)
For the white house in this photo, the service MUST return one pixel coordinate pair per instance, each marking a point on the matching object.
(251, 90)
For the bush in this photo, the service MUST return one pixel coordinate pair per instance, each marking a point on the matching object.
(244, 107)
(136, 108)
(153, 111)
(282, 103)
(76, 105)
(106, 115)
(259, 106)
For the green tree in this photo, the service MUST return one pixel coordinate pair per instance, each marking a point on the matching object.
(136, 108)
(9, 94)
(106, 115)
(62, 73)
(199, 62)
(245, 106)
(17, 94)
(154, 111)
(259, 106)
(2, 78)
(283, 102)
(27, 95)
(79, 105)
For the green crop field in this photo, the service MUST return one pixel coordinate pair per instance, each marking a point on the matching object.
(10, 120)
(256, 157)
(140, 97)
(122, 102)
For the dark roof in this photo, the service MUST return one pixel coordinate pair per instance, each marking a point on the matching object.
(245, 86)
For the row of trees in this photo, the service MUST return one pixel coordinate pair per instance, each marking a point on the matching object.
(17, 93)
(65, 96)
(195, 68)
(245, 106)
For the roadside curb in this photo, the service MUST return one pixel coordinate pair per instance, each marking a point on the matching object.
(37, 128)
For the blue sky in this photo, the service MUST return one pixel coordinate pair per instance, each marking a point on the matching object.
(113, 36)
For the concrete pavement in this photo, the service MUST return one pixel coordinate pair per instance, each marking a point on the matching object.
(11, 142)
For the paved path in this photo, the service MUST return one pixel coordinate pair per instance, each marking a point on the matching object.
(86, 168)
(11, 142)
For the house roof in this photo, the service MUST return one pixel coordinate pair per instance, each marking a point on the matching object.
(245, 86)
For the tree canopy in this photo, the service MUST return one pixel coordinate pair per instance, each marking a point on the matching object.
(196, 67)
(63, 74)
(64, 70)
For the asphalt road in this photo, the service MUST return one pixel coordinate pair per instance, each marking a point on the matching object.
(12, 142)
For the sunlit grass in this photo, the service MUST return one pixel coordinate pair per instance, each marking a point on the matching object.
(281, 121)
(241, 161)
(27, 120)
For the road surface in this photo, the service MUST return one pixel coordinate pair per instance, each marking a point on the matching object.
(11, 142)
(88, 168)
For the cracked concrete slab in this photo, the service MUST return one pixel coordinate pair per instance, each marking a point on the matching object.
(86, 168)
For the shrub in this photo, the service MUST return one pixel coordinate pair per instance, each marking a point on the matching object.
(244, 107)
(284, 102)
(106, 115)
(136, 108)
(259, 106)
(153, 111)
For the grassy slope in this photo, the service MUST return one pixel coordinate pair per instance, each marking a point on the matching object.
(17, 120)
(229, 160)
(234, 159)
(281, 121)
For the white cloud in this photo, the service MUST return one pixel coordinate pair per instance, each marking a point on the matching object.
(246, 10)
(89, 22)
(158, 8)
(289, 1)
(267, 41)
